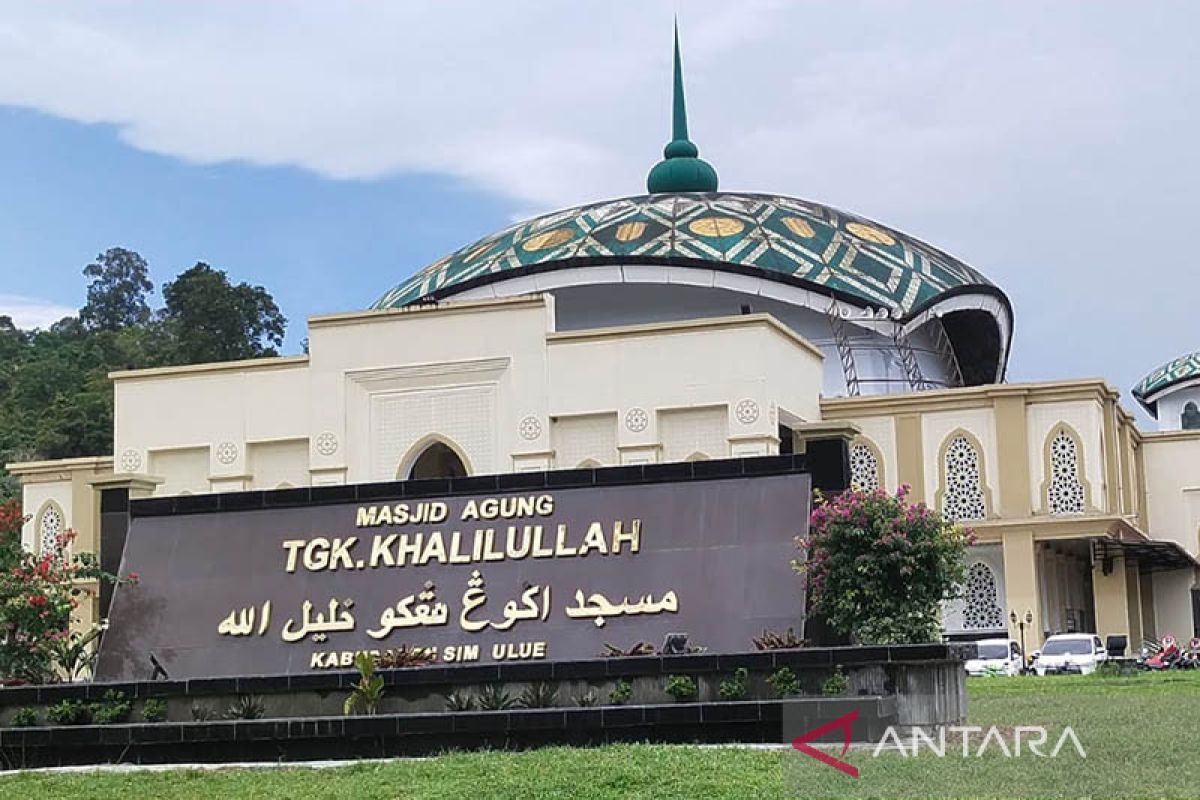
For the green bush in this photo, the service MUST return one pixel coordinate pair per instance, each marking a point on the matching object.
(538, 695)
(493, 698)
(154, 710)
(736, 687)
(866, 549)
(784, 682)
(247, 706)
(25, 718)
(620, 693)
(836, 684)
(681, 687)
(459, 701)
(203, 713)
(111, 709)
(368, 691)
(69, 712)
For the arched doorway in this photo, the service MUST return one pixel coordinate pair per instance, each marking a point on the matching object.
(438, 460)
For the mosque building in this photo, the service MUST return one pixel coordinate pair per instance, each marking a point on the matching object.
(688, 323)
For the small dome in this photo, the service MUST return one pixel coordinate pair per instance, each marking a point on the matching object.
(1172, 375)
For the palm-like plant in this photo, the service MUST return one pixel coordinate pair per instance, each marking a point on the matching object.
(367, 693)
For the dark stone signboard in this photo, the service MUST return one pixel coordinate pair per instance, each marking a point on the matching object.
(542, 574)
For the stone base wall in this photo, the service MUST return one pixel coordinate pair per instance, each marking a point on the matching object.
(302, 715)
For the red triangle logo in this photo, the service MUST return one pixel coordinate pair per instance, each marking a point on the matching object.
(843, 722)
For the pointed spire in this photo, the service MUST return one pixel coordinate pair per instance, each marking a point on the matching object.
(680, 170)
(678, 104)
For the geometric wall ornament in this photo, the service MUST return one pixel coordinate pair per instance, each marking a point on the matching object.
(326, 443)
(864, 467)
(50, 527)
(227, 452)
(530, 428)
(636, 419)
(131, 461)
(982, 610)
(962, 476)
(1065, 493)
(746, 412)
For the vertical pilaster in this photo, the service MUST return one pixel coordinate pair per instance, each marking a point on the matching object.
(910, 456)
(1149, 627)
(1133, 591)
(1012, 457)
(1021, 585)
(1110, 592)
(1111, 479)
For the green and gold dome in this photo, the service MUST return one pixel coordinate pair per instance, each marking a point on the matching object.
(684, 222)
(782, 238)
(1181, 371)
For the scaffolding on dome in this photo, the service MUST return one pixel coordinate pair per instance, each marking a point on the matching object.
(847, 344)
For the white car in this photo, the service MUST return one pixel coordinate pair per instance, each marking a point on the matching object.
(1077, 653)
(995, 657)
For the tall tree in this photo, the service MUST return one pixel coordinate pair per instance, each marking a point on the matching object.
(116, 297)
(209, 319)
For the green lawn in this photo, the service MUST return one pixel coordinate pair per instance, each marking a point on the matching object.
(1141, 735)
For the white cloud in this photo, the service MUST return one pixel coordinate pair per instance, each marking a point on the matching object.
(30, 312)
(1047, 143)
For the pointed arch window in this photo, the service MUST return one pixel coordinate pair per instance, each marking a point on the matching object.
(963, 494)
(1065, 490)
(437, 460)
(51, 525)
(1189, 420)
(982, 610)
(865, 471)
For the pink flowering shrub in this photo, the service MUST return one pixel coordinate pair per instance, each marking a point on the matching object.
(39, 594)
(879, 568)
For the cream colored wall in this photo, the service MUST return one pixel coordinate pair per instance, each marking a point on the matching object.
(1172, 466)
(184, 470)
(386, 383)
(952, 611)
(751, 366)
(694, 433)
(585, 439)
(1172, 603)
(191, 426)
(67, 485)
(1085, 418)
(276, 464)
(34, 499)
(936, 430)
(881, 431)
(491, 379)
(1118, 462)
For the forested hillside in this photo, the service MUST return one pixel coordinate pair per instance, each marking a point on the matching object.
(55, 395)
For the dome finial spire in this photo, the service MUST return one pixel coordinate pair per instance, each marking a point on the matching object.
(680, 170)
(679, 130)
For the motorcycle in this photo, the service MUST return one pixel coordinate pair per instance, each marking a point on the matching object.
(1168, 656)
(1191, 656)
(1148, 650)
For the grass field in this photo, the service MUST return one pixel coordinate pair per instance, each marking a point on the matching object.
(1141, 735)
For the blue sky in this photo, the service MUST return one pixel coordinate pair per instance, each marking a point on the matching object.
(328, 150)
(318, 245)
